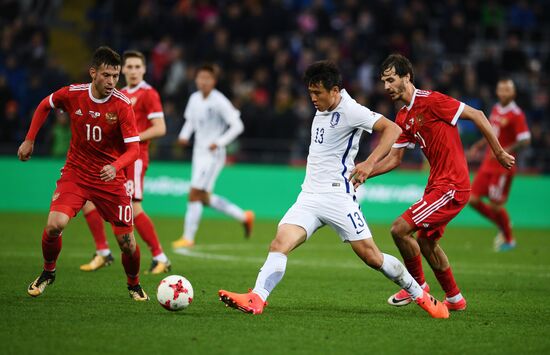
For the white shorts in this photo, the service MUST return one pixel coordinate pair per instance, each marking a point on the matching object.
(338, 210)
(206, 168)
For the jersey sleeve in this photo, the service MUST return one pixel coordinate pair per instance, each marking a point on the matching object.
(187, 129)
(361, 117)
(128, 126)
(232, 117)
(521, 128)
(405, 140)
(445, 107)
(154, 105)
(58, 99)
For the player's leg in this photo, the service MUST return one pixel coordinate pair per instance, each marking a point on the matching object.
(115, 206)
(296, 226)
(288, 237)
(403, 236)
(229, 208)
(103, 256)
(392, 268)
(68, 199)
(498, 195)
(192, 218)
(480, 189)
(148, 233)
(439, 262)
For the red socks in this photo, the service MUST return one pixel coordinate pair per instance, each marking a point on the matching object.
(146, 230)
(97, 227)
(503, 222)
(500, 218)
(447, 282)
(131, 266)
(51, 247)
(414, 265)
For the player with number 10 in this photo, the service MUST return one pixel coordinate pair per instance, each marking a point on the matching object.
(104, 141)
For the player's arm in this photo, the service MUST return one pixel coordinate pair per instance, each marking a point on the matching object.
(39, 117)
(155, 116)
(232, 117)
(389, 162)
(482, 123)
(109, 172)
(156, 130)
(186, 132)
(389, 133)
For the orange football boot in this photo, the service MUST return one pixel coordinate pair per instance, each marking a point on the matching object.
(245, 302)
(248, 223)
(456, 306)
(435, 308)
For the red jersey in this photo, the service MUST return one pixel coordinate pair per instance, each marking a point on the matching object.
(430, 120)
(147, 105)
(99, 130)
(510, 127)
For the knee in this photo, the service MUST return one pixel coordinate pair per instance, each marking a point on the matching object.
(495, 207)
(397, 231)
(54, 228)
(279, 246)
(474, 200)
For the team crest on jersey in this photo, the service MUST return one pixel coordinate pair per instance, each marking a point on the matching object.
(94, 114)
(111, 118)
(334, 119)
(420, 120)
(133, 100)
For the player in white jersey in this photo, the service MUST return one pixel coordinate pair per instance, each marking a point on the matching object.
(328, 192)
(215, 123)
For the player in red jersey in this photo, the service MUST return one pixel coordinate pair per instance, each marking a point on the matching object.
(492, 180)
(104, 141)
(150, 124)
(429, 119)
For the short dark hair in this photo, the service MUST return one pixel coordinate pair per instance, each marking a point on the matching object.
(401, 64)
(133, 54)
(105, 55)
(324, 72)
(211, 68)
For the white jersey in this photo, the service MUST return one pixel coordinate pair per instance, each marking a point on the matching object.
(334, 144)
(213, 120)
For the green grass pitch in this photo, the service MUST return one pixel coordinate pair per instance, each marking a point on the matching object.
(327, 303)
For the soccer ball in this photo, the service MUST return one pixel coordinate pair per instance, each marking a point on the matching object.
(175, 293)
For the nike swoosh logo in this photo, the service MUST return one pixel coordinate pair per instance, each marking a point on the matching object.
(395, 300)
(359, 231)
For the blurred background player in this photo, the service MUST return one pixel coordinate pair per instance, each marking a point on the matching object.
(104, 141)
(216, 123)
(492, 180)
(327, 197)
(150, 124)
(429, 119)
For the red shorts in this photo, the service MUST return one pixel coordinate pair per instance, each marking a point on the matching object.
(114, 206)
(496, 186)
(434, 211)
(135, 174)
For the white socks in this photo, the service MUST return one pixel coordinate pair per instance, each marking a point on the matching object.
(223, 205)
(270, 274)
(162, 258)
(395, 271)
(192, 219)
(103, 252)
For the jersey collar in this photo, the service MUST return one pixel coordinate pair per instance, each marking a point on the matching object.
(135, 88)
(412, 101)
(98, 101)
(505, 109)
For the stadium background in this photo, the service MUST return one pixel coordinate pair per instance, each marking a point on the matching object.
(328, 302)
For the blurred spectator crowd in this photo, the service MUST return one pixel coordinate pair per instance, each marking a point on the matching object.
(262, 47)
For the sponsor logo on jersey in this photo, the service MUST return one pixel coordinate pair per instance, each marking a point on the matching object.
(133, 100)
(55, 196)
(111, 118)
(425, 225)
(334, 119)
(78, 112)
(410, 123)
(94, 114)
